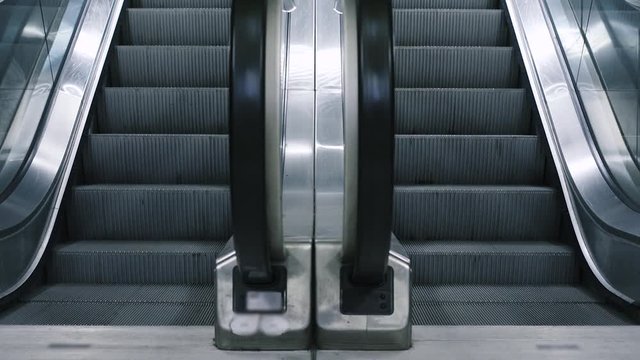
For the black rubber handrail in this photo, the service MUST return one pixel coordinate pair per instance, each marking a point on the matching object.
(247, 140)
(376, 141)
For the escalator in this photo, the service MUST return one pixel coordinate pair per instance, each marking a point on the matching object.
(318, 177)
(477, 200)
(148, 206)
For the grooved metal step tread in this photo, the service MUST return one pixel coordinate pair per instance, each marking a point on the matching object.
(445, 4)
(522, 314)
(165, 110)
(462, 111)
(429, 294)
(449, 27)
(157, 159)
(492, 262)
(179, 26)
(81, 293)
(173, 66)
(111, 314)
(474, 212)
(455, 67)
(468, 159)
(144, 262)
(170, 4)
(150, 212)
(454, 248)
(140, 247)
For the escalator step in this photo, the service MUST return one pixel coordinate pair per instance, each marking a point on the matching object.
(81, 293)
(165, 111)
(468, 159)
(111, 314)
(179, 26)
(181, 3)
(462, 111)
(475, 213)
(445, 4)
(428, 294)
(150, 305)
(449, 28)
(521, 314)
(491, 262)
(455, 67)
(173, 66)
(135, 262)
(150, 212)
(158, 159)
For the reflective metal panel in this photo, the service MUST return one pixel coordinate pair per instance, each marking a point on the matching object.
(275, 35)
(329, 140)
(288, 331)
(301, 47)
(45, 178)
(298, 191)
(335, 178)
(298, 179)
(329, 166)
(604, 106)
(30, 68)
(585, 188)
(361, 332)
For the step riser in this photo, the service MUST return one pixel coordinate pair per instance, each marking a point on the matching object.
(99, 314)
(171, 4)
(165, 111)
(503, 269)
(478, 215)
(450, 67)
(449, 28)
(179, 27)
(158, 159)
(139, 268)
(516, 314)
(468, 160)
(179, 66)
(150, 215)
(445, 4)
(464, 112)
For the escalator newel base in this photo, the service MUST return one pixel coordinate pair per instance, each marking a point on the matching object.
(356, 299)
(270, 298)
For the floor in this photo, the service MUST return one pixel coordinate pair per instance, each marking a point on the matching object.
(430, 342)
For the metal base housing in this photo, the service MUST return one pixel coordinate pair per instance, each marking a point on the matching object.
(338, 331)
(290, 330)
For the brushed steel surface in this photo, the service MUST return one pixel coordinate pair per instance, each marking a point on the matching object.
(276, 40)
(350, 96)
(336, 193)
(329, 139)
(298, 181)
(329, 166)
(14, 150)
(46, 176)
(608, 130)
(290, 330)
(360, 332)
(298, 195)
(597, 213)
